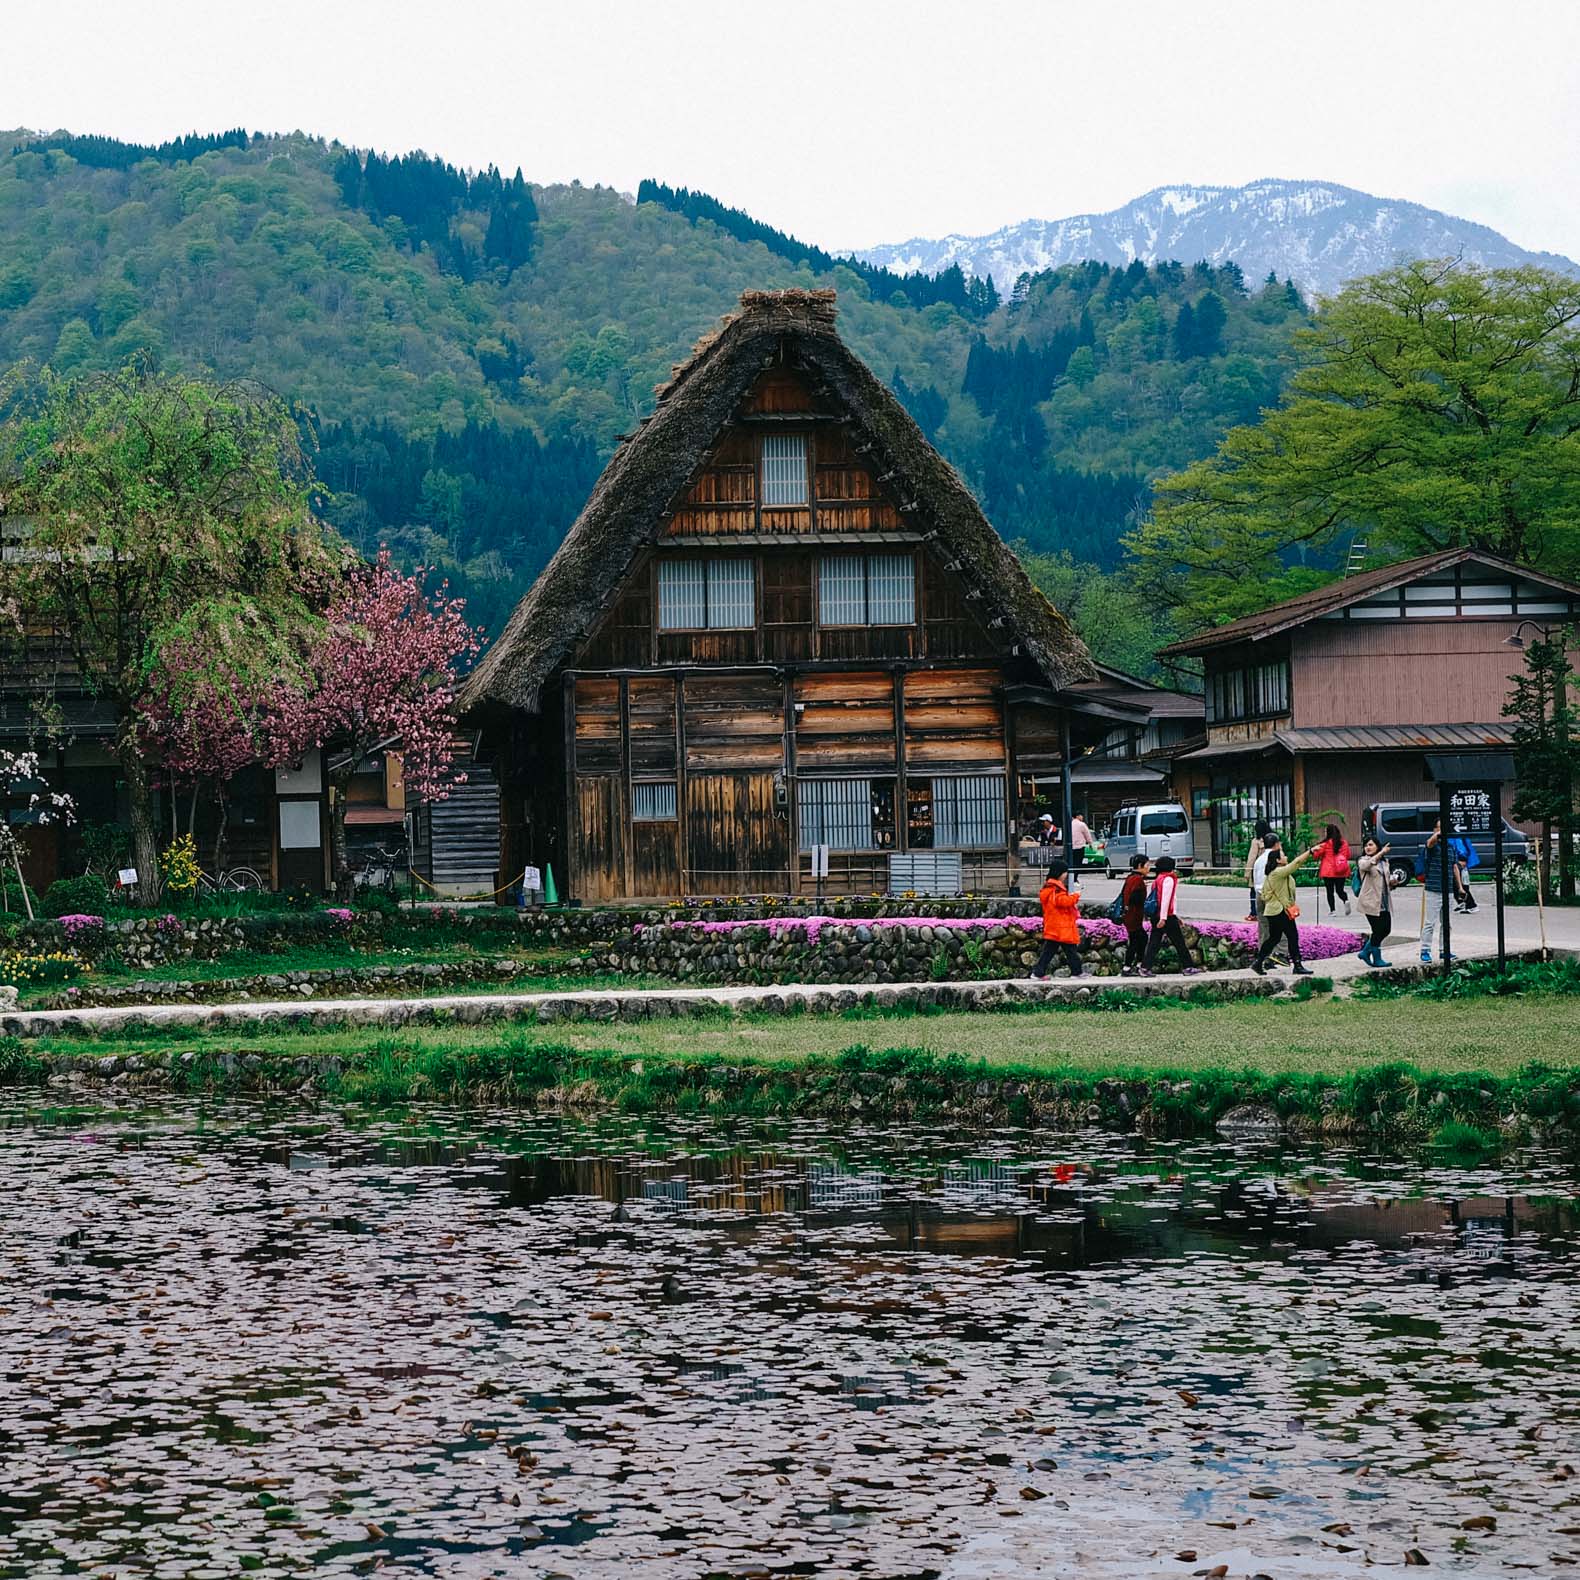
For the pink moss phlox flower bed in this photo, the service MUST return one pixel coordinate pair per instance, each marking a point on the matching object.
(1317, 943)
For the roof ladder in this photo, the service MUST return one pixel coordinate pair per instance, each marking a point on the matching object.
(1357, 559)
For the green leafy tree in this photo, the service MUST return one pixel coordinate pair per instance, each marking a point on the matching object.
(1438, 405)
(1112, 616)
(1547, 751)
(152, 508)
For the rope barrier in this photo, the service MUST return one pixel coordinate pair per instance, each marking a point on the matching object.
(493, 895)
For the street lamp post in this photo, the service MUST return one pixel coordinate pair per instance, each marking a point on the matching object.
(1566, 881)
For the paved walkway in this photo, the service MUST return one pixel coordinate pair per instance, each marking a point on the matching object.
(641, 1004)
(1473, 934)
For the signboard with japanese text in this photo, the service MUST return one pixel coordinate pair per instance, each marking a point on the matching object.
(1470, 810)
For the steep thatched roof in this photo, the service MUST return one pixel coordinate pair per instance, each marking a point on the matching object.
(650, 472)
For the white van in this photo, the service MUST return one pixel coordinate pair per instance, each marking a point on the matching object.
(1152, 829)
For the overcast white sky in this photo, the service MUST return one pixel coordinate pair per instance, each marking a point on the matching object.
(868, 120)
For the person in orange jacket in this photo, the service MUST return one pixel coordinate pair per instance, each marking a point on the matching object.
(1059, 929)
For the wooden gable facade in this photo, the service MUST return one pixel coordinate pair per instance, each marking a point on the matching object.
(799, 648)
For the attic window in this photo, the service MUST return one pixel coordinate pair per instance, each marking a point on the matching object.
(866, 589)
(705, 595)
(784, 469)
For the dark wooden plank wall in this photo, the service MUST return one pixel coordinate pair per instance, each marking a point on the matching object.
(724, 739)
(737, 838)
(954, 719)
(844, 722)
(464, 834)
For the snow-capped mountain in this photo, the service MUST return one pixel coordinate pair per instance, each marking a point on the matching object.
(1314, 232)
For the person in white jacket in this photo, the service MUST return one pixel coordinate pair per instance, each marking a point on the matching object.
(1166, 924)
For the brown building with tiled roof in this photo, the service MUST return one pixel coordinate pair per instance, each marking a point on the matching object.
(1330, 701)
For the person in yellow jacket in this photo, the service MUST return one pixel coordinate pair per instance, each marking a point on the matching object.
(1278, 906)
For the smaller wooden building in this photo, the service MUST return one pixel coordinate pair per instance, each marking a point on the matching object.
(781, 625)
(1331, 701)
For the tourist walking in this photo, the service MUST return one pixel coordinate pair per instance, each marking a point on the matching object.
(1060, 934)
(1080, 838)
(1465, 860)
(1375, 900)
(1271, 854)
(1334, 854)
(1166, 922)
(1432, 882)
(1281, 911)
(1132, 917)
(1259, 838)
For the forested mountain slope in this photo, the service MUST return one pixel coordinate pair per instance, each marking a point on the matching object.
(469, 346)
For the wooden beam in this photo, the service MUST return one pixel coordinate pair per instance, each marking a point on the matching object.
(792, 836)
(568, 729)
(624, 809)
(682, 845)
(902, 801)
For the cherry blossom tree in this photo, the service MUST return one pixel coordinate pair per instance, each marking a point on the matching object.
(382, 672)
(203, 721)
(20, 777)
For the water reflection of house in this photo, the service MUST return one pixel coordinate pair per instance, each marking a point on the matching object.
(998, 1208)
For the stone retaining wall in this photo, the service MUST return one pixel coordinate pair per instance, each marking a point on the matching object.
(349, 981)
(552, 1008)
(146, 941)
(869, 952)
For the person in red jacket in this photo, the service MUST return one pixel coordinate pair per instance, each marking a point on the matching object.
(1059, 929)
(1165, 890)
(1133, 910)
(1334, 854)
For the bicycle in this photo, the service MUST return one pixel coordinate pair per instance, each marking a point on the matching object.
(382, 867)
(233, 880)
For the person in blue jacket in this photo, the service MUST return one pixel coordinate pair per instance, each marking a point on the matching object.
(1432, 876)
(1465, 861)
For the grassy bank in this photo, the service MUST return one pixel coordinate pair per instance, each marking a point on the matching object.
(1495, 1036)
(1399, 1068)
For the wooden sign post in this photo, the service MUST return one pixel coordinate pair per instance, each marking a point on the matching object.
(1470, 807)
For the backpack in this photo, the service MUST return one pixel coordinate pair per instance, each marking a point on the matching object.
(1116, 911)
(1150, 909)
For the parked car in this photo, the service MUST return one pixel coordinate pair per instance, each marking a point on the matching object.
(1152, 828)
(1406, 825)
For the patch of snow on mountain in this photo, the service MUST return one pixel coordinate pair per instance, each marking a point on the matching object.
(1317, 233)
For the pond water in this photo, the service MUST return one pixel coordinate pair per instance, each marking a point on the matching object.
(242, 1339)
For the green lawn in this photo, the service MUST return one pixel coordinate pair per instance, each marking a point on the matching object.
(1317, 1036)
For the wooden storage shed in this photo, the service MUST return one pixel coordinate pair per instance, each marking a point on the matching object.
(781, 622)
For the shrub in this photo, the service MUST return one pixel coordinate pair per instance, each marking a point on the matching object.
(301, 898)
(82, 932)
(17, 1064)
(105, 846)
(88, 894)
(1519, 882)
(178, 866)
(379, 901)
